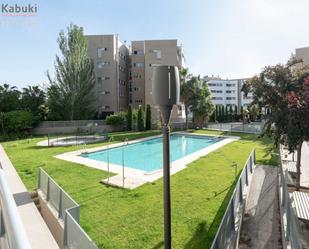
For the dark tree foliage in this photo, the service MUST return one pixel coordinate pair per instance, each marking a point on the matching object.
(70, 94)
(285, 90)
(148, 117)
(140, 119)
(9, 98)
(129, 118)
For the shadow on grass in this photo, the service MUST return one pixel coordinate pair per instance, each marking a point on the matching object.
(205, 233)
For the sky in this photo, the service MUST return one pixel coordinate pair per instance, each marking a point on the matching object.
(229, 38)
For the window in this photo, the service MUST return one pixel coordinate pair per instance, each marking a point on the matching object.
(230, 91)
(214, 84)
(122, 82)
(138, 52)
(101, 51)
(230, 85)
(137, 76)
(106, 92)
(138, 101)
(217, 98)
(101, 64)
(136, 88)
(230, 98)
(157, 53)
(138, 64)
(121, 68)
(99, 80)
(216, 91)
(105, 107)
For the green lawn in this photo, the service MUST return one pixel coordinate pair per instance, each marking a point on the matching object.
(116, 218)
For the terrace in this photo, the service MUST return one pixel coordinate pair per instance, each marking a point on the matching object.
(119, 218)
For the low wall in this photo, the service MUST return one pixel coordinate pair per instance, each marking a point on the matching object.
(75, 126)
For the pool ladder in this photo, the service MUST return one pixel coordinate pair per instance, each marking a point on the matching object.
(107, 154)
(126, 142)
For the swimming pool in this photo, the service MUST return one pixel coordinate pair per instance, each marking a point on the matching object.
(147, 155)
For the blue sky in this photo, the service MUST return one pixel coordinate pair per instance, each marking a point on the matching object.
(233, 39)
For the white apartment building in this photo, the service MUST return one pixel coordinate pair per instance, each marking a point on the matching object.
(228, 92)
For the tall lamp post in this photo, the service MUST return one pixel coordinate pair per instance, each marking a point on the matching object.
(165, 92)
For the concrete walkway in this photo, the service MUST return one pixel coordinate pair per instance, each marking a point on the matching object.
(261, 223)
(37, 231)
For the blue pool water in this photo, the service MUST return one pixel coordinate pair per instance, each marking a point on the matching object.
(147, 155)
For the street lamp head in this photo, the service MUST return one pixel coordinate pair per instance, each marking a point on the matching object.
(165, 89)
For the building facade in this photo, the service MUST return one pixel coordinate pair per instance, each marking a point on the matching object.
(228, 92)
(144, 55)
(302, 53)
(110, 57)
(124, 75)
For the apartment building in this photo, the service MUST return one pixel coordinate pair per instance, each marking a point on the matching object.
(110, 57)
(144, 55)
(228, 92)
(302, 53)
(124, 75)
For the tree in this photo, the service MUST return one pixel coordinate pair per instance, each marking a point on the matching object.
(148, 118)
(236, 113)
(18, 121)
(187, 89)
(140, 119)
(231, 113)
(32, 98)
(129, 118)
(202, 106)
(9, 98)
(73, 86)
(285, 90)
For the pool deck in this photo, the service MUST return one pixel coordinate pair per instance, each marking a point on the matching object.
(133, 178)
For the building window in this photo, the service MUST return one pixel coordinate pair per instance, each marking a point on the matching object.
(217, 98)
(136, 88)
(138, 52)
(101, 64)
(230, 85)
(230, 91)
(105, 107)
(216, 91)
(106, 92)
(230, 98)
(101, 51)
(215, 84)
(138, 101)
(138, 64)
(157, 53)
(121, 68)
(137, 76)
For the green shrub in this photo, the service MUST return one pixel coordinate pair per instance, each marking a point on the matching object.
(148, 117)
(140, 119)
(116, 119)
(129, 118)
(18, 121)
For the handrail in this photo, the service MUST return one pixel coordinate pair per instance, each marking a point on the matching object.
(11, 221)
(231, 201)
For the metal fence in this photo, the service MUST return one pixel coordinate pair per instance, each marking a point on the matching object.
(12, 233)
(68, 210)
(71, 123)
(289, 221)
(227, 233)
(255, 128)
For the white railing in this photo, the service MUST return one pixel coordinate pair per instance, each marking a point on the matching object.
(229, 228)
(289, 222)
(12, 233)
(68, 210)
